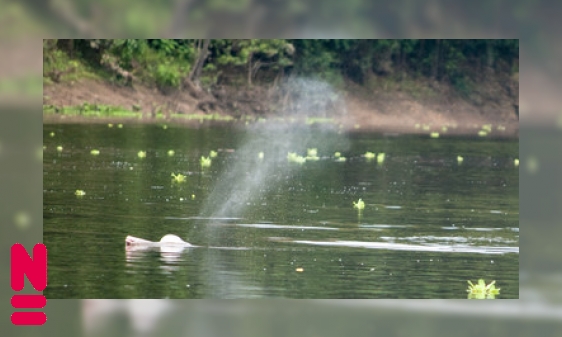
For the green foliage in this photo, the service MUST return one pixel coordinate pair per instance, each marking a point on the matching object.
(164, 62)
(168, 75)
(55, 60)
(127, 50)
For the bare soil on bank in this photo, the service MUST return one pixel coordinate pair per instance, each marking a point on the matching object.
(380, 109)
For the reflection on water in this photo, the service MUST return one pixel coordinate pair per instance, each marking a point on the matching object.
(398, 246)
(429, 223)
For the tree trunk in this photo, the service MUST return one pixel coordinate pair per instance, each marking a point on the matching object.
(250, 68)
(402, 61)
(201, 57)
(67, 45)
(435, 67)
(489, 56)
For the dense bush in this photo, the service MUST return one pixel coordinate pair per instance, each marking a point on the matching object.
(166, 62)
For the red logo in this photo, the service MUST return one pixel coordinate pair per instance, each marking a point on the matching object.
(36, 270)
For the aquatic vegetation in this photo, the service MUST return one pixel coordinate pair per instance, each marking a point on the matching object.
(171, 153)
(516, 162)
(341, 159)
(95, 152)
(109, 125)
(178, 178)
(459, 159)
(213, 154)
(369, 155)
(337, 154)
(300, 160)
(487, 127)
(292, 157)
(260, 155)
(312, 158)
(79, 193)
(120, 126)
(164, 126)
(434, 135)
(380, 158)
(141, 154)
(205, 161)
(193, 197)
(482, 133)
(360, 204)
(52, 134)
(312, 155)
(481, 290)
(59, 148)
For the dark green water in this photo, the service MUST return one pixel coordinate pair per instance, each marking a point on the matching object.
(429, 223)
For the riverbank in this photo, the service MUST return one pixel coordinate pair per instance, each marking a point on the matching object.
(410, 107)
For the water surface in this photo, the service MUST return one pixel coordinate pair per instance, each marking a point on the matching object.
(290, 230)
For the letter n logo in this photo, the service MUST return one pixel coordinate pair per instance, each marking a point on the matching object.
(36, 270)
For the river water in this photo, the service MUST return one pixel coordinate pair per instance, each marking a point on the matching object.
(270, 228)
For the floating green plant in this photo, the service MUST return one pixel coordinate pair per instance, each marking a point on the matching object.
(341, 159)
(141, 154)
(59, 148)
(459, 159)
(380, 158)
(205, 161)
(312, 158)
(487, 127)
(193, 197)
(312, 152)
(109, 125)
(292, 157)
(434, 135)
(213, 154)
(360, 204)
(79, 193)
(260, 155)
(369, 155)
(171, 153)
(482, 133)
(516, 162)
(481, 290)
(178, 178)
(164, 127)
(337, 154)
(120, 126)
(95, 152)
(52, 134)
